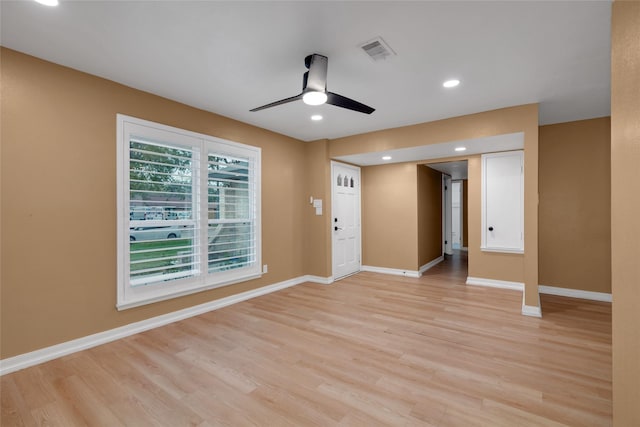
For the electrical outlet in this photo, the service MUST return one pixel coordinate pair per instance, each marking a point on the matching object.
(265, 268)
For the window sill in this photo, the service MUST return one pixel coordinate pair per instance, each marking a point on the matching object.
(503, 250)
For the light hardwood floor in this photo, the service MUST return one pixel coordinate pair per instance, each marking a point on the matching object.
(365, 351)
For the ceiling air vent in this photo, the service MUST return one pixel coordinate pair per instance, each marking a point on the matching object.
(377, 49)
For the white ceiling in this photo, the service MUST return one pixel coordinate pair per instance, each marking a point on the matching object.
(229, 57)
(456, 170)
(490, 144)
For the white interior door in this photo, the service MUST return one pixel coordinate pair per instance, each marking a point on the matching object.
(345, 219)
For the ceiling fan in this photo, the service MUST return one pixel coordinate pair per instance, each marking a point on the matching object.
(314, 89)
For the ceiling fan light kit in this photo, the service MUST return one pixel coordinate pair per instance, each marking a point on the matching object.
(314, 98)
(314, 89)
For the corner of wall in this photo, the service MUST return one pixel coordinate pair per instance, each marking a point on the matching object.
(317, 239)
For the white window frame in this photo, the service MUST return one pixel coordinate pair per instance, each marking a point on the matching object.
(129, 296)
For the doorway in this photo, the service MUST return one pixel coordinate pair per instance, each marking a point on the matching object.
(454, 206)
(345, 219)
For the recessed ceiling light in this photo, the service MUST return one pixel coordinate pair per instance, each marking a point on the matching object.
(314, 98)
(451, 83)
(48, 2)
(316, 117)
(461, 148)
(386, 157)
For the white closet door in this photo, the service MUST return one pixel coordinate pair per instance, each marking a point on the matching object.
(503, 202)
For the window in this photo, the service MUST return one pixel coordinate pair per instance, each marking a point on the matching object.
(188, 212)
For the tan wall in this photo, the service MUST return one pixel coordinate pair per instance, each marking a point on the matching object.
(317, 242)
(59, 201)
(488, 123)
(507, 120)
(429, 214)
(625, 211)
(390, 216)
(575, 205)
(465, 213)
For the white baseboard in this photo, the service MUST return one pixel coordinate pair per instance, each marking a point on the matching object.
(430, 264)
(531, 310)
(575, 293)
(393, 271)
(318, 279)
(406, 273)
(36, 357)
(464, 248)
(527, 310)
(492, 283)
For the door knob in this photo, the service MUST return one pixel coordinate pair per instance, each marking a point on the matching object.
(490, 228)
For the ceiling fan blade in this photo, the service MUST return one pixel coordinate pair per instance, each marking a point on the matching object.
(348, 103)
(316, 77)
(282, 101)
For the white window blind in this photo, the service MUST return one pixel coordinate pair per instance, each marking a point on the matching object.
(161, 212)
(230, 213)
(189, 216)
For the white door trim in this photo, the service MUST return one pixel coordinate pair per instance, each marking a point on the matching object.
(356, 170)
(446, 215)
(461, 212)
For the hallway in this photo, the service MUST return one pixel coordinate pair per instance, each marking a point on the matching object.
(453, 267)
